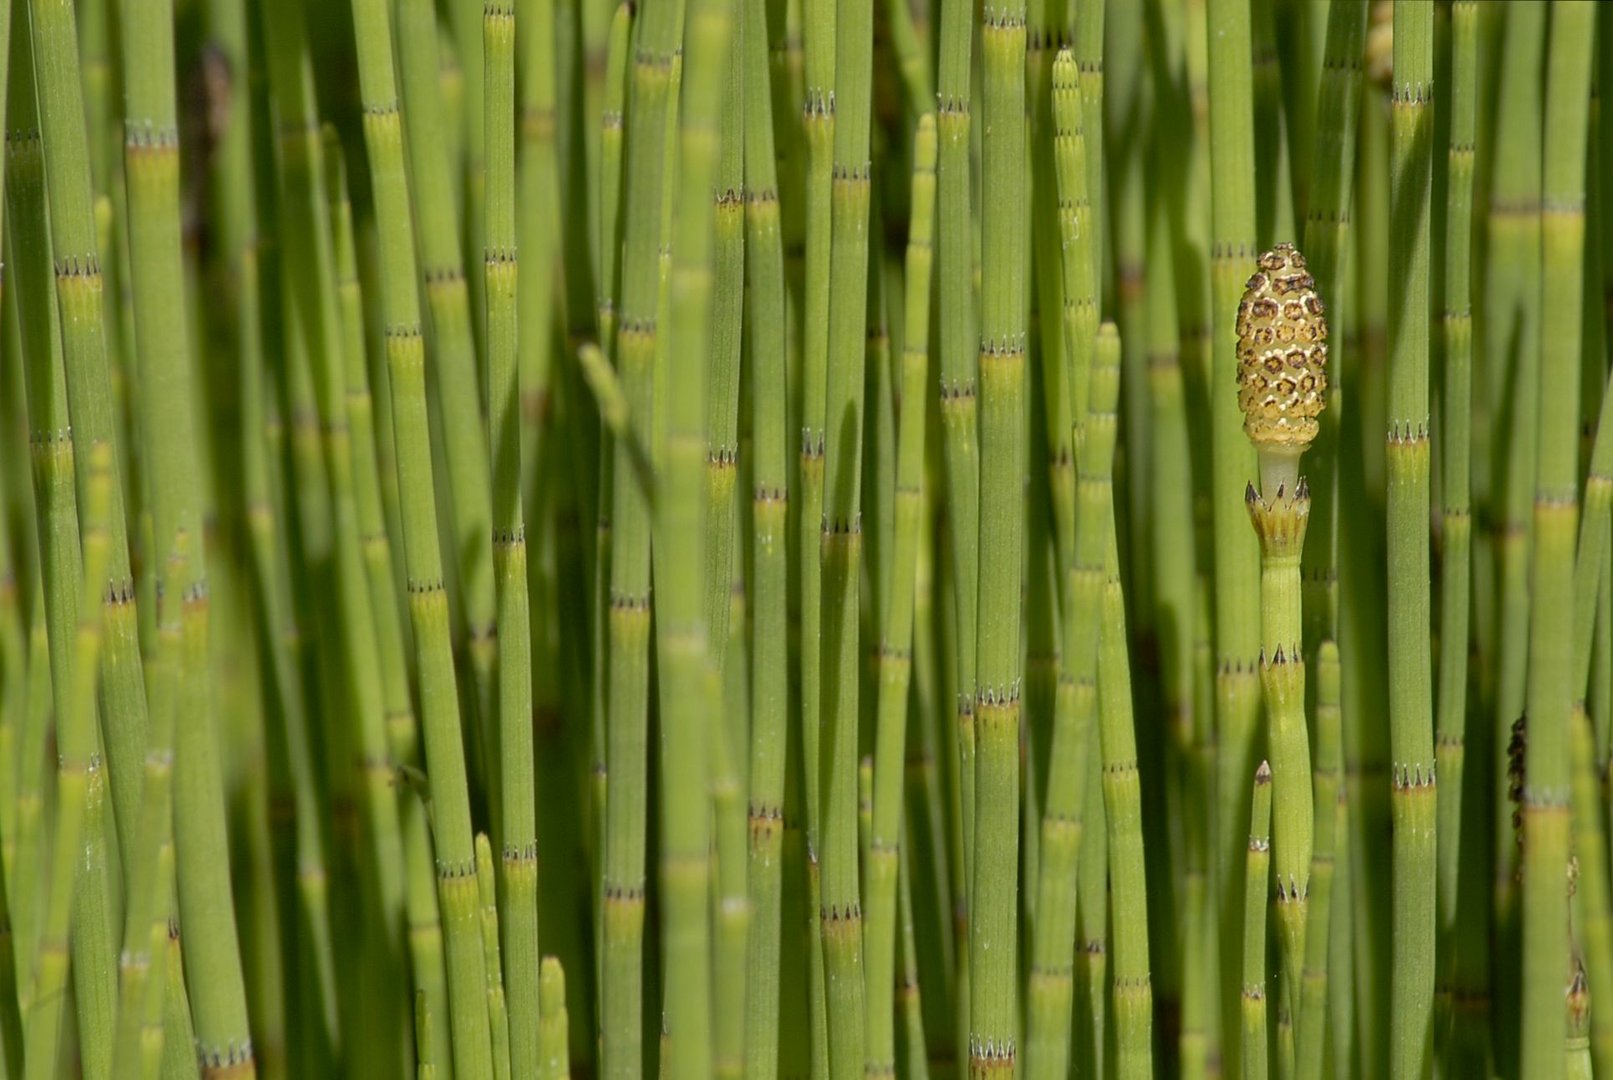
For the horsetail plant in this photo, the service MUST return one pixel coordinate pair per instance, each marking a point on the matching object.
(885, 858)
(1551, 696)
(993, 989)
(1257, 869)
(622, 901)
(1411, 727)
(690, 713)
(779, 429)
(1282, 387)
(518, 868)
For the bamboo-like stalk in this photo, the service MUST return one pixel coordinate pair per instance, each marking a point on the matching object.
(1550, 696)
(518, 863)
(1050, 513)
(428, 601)
(841, 539)
(728, 748)
(895, 655)
(498, 1018)
(42, 951)
(147, 901)
(1327, 229)
(151, 169)
(42, 392)
(1122, 796)
(30, 795)
(401, 735)
(442, 279)
(1511, 343)
(554, 1061)
(930, 784)
(690, 710)
(538, 227)
(231, 277)
(956, 347)
(1089, 46)
(770, 752)
(630, 601)
(1411, 728)
(10, 1012)
(89, 388)
(612, 128)
(1236, 552)
(356, 755)
(285, 548)
(1282, 371)
(77, 784)
(424, 1042)
(1363, 574)
(1171, 550)
(817, 35)
(1310, 1045)
(1592, 941)
(993, 933)
(1050, 986)
(1093, 938)
(1459, 847)
(911, 1056)
(1258, 867)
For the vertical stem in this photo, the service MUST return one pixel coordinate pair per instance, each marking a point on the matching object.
(1237, 613)
(993, 962)
(1411, 728)
(1546, 793)
(89, 386)
(629, 616)
(896, 624)
(454, 381)
(1080, 543)
(840, 539)
(428, 600)
(770, 756)
(518, 864)
(955, 351)
(1258, 863)
(691, 716)
(817, 124)
(1122, 794)
(1460, 854)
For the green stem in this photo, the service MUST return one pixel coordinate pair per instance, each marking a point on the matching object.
(1258, 864)
(895, 656)
(1546, 801)
(1236, 552)
(1411, 721)
(518, 863)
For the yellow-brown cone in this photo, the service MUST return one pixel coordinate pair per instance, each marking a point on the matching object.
(1282, 353)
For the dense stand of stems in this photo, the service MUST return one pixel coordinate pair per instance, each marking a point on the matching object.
(759, 400)
(427, 598)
